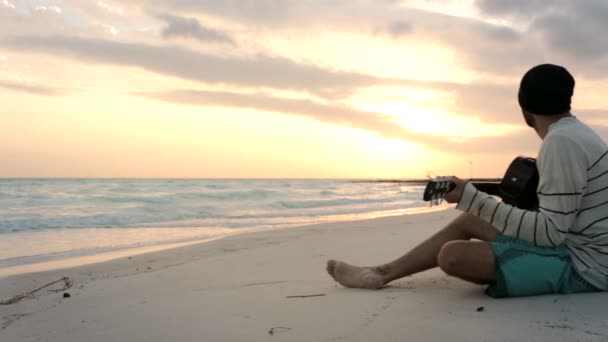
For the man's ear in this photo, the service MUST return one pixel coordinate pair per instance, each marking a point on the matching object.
(529, 118)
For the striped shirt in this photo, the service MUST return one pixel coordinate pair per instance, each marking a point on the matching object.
(573, 200)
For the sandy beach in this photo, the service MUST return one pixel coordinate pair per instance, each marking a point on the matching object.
(272, 285)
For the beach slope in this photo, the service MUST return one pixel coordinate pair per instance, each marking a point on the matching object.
(272, 286)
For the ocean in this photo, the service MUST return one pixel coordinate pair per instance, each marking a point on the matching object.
(45, 219)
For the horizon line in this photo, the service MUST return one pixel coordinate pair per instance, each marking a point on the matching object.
(379, 179)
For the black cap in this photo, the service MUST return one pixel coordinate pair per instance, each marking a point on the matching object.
(546, 89)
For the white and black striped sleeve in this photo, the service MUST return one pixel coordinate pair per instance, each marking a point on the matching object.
(562, 170)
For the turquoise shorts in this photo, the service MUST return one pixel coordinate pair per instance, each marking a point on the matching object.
(523, 269)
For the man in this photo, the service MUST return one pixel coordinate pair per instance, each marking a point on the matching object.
(560, 248)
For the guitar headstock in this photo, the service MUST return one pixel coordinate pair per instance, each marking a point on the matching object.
(437, 188)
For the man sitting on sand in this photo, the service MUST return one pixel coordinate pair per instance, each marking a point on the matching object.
(561, 248)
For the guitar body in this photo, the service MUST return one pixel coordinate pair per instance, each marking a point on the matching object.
(517, 188)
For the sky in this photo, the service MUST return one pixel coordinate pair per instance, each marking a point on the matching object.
(284, 88)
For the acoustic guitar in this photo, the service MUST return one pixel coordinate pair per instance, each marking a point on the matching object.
(517, 187)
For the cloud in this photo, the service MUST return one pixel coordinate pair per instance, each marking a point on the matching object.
(400, 27)
(262, 10)
(480, 45)
(259, 71)
(344, 116)
(578, 32)
(488, 102)
(517, 8)
(336, 114)
(7, 4)
(558, 31)
(30, 88)
(109, 8)
(571, 32)
(48, 9)
(111, 29)
(478, 40)
(491, 49)
(191, 28)
(486, 48)
(520, 142)
(358, 14)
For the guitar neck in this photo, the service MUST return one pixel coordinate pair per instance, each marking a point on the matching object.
(437, 189)
(517, 187)
(489, 188)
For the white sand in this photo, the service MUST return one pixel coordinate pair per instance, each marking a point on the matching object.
(236, 289)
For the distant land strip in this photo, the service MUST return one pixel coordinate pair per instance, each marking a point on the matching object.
(422, 181)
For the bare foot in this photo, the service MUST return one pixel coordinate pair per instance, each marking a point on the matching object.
(356, 277)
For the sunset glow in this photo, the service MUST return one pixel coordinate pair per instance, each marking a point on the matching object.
(311, 89)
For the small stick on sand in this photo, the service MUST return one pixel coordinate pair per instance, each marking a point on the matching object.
(307, 296)
(68, 284)
(267, 283)
(272, 330)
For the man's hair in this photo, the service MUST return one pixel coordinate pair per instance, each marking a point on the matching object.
(546, 89)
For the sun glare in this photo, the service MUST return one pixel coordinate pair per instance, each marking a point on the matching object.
(424, 111)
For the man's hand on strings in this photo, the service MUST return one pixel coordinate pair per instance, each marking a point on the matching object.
(455, 195)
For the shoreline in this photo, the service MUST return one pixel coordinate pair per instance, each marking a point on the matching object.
(75, 258)
(273, 285)
(150, 258)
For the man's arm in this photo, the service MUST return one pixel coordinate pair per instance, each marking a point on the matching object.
(562, 171)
